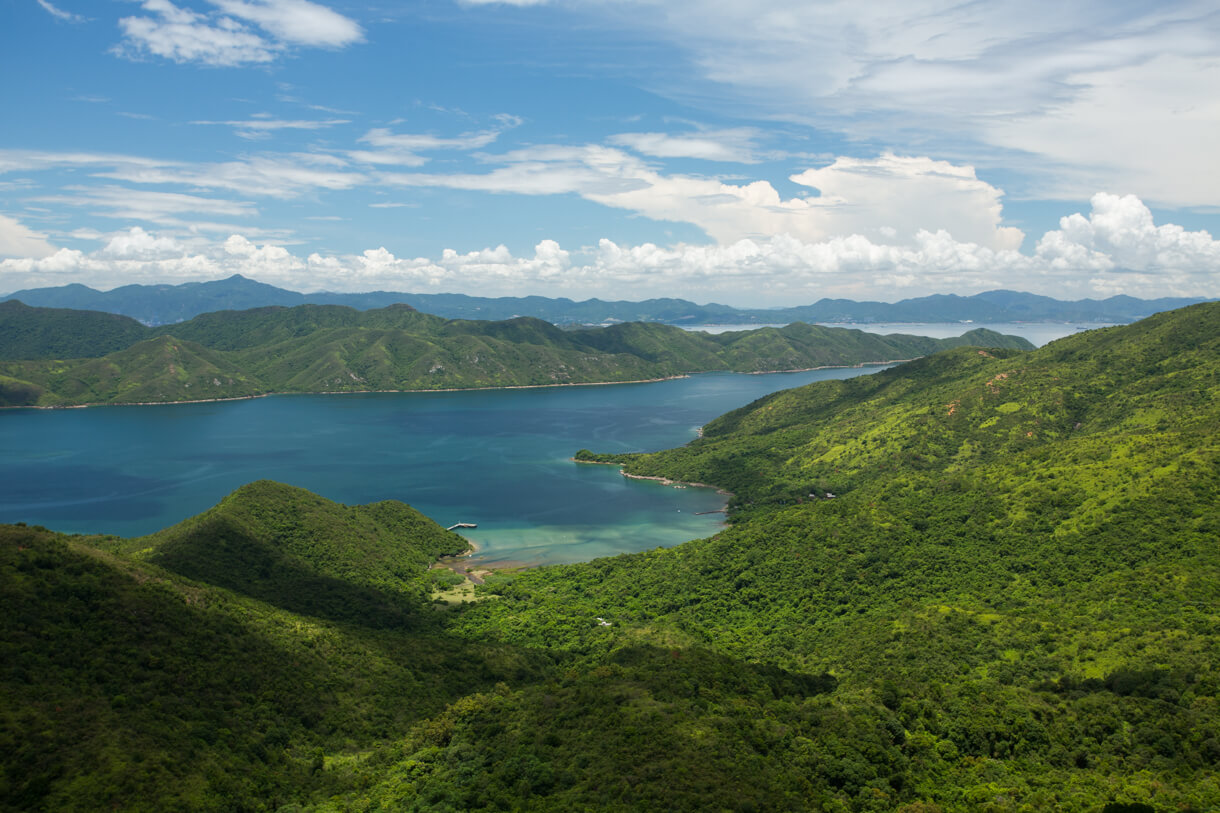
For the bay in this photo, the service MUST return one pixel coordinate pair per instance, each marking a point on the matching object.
(497, 458)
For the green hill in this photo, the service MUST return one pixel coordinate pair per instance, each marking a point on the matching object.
(1010, 602)
(1017, 570)
(300, 552)
(328, 348)
(40, 333)
(151, 371)
(128, 686)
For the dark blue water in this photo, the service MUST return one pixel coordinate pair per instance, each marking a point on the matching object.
(498, 458)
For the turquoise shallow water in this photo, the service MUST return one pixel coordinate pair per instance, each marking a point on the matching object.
(498, 458)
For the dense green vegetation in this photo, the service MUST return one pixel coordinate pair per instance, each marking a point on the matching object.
(1011, 602)
(299, 552)
(166, 304)
(126, 685)
(329, 348)
(35, 333)
(1019, 561)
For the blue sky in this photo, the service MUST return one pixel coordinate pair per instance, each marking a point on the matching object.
(760, 153)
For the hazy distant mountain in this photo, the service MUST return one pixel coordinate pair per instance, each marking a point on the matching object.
(166, 304)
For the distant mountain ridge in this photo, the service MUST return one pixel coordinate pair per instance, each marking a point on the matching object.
(331, 348)
(168, 304)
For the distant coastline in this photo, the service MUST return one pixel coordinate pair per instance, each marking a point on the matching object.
(460, 389)
(367, 392)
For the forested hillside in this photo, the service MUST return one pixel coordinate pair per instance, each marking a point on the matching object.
(34, 333)
(984, 580)
(1010, 558)
(129, 686)
(329, 348)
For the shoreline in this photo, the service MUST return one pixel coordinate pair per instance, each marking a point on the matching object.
(361, 392)
(459, 562)
(454, 389)
(665, 481)
(464, 565)
(833, 367)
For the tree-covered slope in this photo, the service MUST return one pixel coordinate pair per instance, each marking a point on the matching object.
(298, 551)
(259, 327)
(127, 686)
(154, 370)
(1018, 567)
(1010, 604)
(328, 348)
(40, 333)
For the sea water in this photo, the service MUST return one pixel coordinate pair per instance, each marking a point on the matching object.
(500, 459)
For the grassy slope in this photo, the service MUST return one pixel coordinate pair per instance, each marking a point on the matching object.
(328, 348)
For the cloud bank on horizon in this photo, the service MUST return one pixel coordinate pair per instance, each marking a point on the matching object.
(754, 153)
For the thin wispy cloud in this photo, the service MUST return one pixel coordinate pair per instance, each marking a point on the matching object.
(403, 149)
(60, 14)
(992, 82)
(736, 145)
(13, 160)
(258, 128)
(147, 205)
(260, 176)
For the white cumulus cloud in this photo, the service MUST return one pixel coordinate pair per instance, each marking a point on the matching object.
(1120, 233)
(296, 21)
(16, 240)
(909, 194)
(904, 194)
(137, 244)
(1115, 248)
(184, 35)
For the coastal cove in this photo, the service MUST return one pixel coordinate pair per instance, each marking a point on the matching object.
(498, 458)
